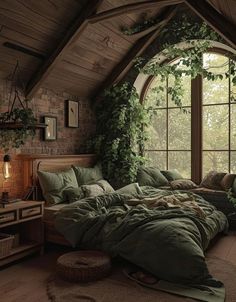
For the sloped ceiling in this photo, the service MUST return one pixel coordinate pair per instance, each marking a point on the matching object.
(34, 32)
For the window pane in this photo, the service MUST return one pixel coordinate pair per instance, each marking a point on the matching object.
(180, 160)
(233, 163)
(215, 92)
(215, 127)
(157, 132)
(233, 127)
(186, 84)
(156, 96)
(217, 161)
(215, 63)
(179, 130)
(156, 159)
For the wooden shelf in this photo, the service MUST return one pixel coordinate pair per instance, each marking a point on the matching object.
(12, 126)
(23, 247)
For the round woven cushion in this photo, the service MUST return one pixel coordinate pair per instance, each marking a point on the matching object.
(83, 266)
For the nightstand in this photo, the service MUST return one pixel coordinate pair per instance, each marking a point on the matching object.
(24, 220)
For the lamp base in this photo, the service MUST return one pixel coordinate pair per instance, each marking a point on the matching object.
(5, 197)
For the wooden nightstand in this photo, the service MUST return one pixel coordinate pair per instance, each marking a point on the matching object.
(24, 218)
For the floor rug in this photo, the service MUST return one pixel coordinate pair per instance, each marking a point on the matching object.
(118, 288)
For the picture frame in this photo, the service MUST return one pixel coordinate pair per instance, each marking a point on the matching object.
(72, 114)
(50, 131)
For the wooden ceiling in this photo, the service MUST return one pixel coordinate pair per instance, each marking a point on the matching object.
(77, 46)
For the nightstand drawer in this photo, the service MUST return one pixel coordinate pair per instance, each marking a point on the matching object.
(7, 217)
(30, 212)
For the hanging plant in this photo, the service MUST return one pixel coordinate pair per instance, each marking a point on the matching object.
(16, 127)
(121, 119)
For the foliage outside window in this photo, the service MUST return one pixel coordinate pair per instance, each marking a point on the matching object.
(169, 145)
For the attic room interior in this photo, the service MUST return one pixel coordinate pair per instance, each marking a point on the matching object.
(117, 150)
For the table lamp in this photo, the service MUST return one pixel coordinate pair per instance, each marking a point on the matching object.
(6, 175)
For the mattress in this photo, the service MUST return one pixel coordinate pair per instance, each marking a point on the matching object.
(49, 212)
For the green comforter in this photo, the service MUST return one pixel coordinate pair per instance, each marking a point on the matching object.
(166, 241)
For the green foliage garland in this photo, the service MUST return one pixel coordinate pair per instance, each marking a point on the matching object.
(120, 122)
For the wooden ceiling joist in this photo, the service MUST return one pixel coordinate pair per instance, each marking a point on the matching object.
(131, 8)
(118, 73)
(74, 31)
(214, 19)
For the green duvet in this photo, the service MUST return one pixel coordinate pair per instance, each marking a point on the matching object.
(167, 240)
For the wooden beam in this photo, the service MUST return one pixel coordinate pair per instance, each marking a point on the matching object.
(128, 61)
(216, 20)
(74, 31)
(131, 8)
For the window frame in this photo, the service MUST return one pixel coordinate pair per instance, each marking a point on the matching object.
(197, 105)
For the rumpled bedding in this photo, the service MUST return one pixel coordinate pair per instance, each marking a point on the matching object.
(164, 232)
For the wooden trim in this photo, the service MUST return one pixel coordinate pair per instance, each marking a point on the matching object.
(216, 20)
(128, 61)
(131, 8)
(196, 129)
(74, 31)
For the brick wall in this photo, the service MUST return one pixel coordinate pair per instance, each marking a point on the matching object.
(69, 140)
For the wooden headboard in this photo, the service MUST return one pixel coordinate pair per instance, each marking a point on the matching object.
(50, 163)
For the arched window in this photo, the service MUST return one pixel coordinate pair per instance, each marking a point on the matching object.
(202, 137)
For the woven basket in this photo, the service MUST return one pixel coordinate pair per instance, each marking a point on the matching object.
(6, 242)
(83, 266)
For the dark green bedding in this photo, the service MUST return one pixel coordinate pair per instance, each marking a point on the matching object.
(166, 241)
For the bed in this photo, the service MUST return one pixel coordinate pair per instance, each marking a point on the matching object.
(167, 241)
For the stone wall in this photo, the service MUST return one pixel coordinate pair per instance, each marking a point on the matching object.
(69, 140)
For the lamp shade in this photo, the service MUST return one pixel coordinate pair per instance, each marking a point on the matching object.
(6, 166)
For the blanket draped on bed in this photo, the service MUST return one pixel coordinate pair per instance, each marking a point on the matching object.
(165, 238)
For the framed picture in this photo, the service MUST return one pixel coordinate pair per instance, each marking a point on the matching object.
(72, 114)
(50, 132)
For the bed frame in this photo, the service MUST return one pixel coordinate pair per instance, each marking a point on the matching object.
(49, 163)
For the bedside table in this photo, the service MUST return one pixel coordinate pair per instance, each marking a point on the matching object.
(24, 219)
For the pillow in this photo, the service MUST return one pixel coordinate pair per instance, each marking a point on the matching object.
(53, 185)
(151, 176)
(172, 174)
(73, 194)
(212, 180)
(87, 175)
(107, 188)
(92, 190)
(131, 189)
(227, 181)
(182, 184)
(234, 186)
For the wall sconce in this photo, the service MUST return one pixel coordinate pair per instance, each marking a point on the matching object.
(6, 175)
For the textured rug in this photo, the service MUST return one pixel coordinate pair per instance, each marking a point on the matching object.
(118, 288)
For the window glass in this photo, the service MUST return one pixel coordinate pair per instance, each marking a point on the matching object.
(233, 162)
(156, 96)
(179, 130)
(213, 160)
(216, 127)
(156, 159)
(217, 91)
(180, 160)
(157, 131)
(233, 126)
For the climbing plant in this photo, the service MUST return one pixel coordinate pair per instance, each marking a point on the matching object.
(197, 38)
(121, 119)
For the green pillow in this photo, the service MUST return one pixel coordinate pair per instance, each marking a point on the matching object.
(53, 185)
(234, 186)
(73, 194)
(151, 176)
(107, 188)
(172, 174)
(87, 175)
(131, 189)
(92, 190)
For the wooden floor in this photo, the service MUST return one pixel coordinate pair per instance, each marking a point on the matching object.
(26, 280)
